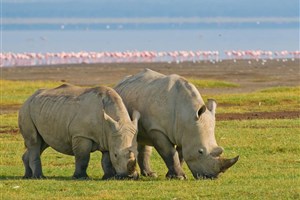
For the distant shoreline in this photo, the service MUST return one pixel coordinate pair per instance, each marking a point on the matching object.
(147, 23)
(151, 20)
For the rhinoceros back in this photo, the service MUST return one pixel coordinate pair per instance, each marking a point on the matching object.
(142, 90)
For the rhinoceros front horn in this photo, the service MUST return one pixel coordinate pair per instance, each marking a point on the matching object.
(227, 163)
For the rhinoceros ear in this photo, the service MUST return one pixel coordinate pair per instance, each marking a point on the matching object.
(201, 111)
(113, 124)
(212, 105)
(135, 117)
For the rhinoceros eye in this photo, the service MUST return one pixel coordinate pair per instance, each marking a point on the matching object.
(200, 151)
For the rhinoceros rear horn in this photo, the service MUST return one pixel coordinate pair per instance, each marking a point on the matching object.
(227, 163)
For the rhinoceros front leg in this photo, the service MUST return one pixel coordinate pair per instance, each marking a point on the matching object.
(109, 170)
(81, 149)
(181, 160)
(169, 154)
(144, 154)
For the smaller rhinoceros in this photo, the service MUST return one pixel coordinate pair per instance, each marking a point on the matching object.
(76, 121)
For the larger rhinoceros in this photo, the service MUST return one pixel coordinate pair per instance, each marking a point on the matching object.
(76, 121)
(175, 120)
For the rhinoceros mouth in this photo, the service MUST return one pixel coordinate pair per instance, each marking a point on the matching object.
(133, 176)
(205, 176)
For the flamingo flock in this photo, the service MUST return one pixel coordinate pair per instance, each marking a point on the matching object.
(32, 59)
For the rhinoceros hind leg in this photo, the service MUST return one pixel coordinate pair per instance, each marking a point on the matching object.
(169, 154)
(109, 170)
(32, 158)
(28, 171)
(144, 160)
(81, 149)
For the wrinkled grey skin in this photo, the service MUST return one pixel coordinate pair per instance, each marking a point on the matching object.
(77, 121)
(175, 120)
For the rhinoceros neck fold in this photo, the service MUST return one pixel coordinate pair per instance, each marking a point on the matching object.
(187, 101)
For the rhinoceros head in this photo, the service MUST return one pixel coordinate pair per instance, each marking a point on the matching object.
(200, 149)
(123, 146)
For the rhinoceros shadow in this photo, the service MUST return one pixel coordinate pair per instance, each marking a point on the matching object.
(58, 178)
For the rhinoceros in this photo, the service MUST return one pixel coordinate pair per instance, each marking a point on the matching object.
(77, 121)
(175, 120)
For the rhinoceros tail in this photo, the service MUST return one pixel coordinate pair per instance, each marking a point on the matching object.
(26, 124)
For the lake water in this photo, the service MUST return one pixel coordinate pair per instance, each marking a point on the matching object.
(155, 40)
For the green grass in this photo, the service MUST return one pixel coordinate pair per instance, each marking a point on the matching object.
(212, 83)
(8, 123)
(16, 92)
(267, 169)
(269, 100)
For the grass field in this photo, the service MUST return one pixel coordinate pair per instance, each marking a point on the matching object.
(268, 167)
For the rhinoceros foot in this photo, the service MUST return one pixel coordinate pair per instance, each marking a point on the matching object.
(108, 176)
(34, 177)
(77, 177)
